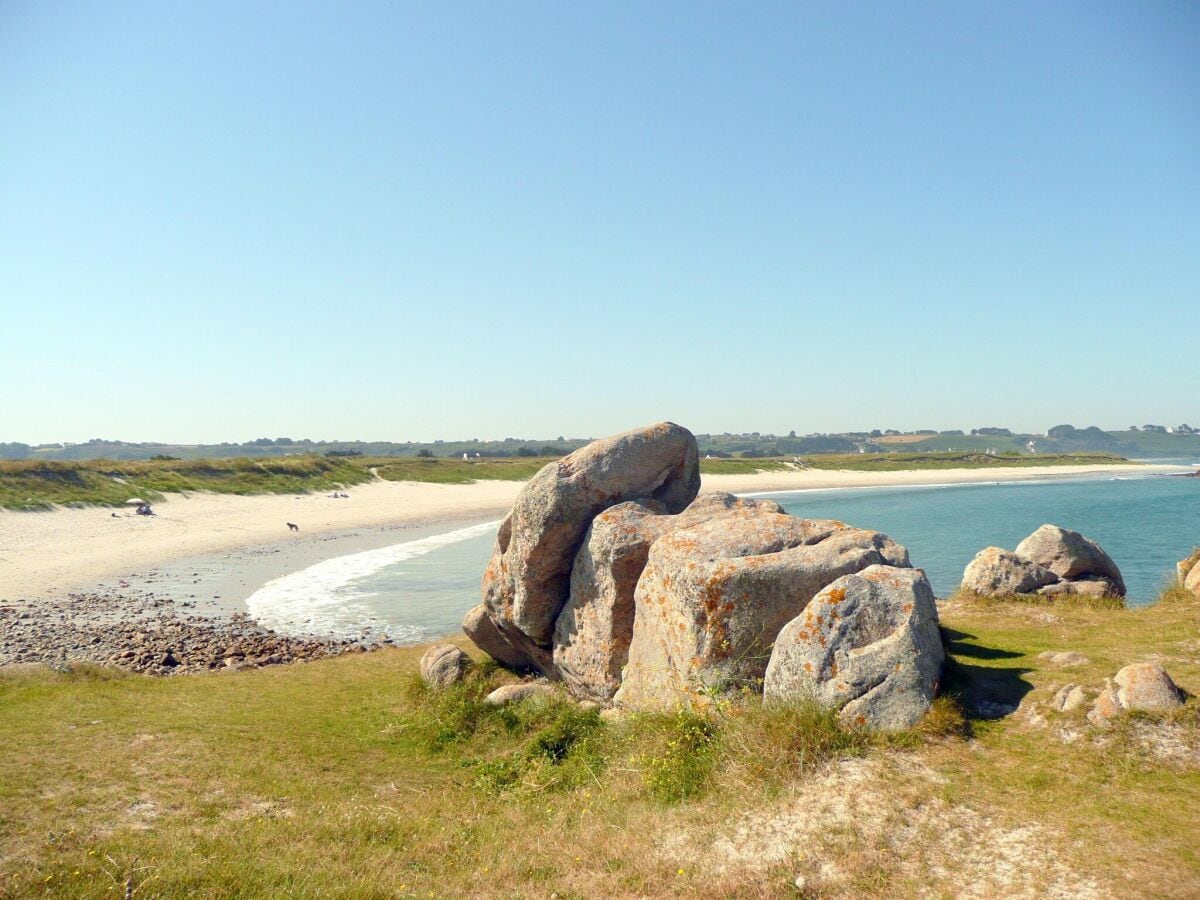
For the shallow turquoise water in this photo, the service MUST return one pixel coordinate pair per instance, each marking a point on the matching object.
(420, 589)
(1145, 524)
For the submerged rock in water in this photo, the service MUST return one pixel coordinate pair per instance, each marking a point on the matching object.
(443, 665)
(594, 629)
(527, 581)
(998, 572)
(867, 645)
(713, 597)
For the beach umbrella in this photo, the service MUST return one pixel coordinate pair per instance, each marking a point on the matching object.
(136, 501)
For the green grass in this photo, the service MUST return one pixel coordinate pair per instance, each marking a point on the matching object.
(741, 466)
(440, 470)
(895, 462)
(347, 777)
(28, 484)
(34, 485)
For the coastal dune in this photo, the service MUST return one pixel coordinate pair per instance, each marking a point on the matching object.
(51, 552)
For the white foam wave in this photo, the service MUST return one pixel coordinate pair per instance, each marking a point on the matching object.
(323, 599)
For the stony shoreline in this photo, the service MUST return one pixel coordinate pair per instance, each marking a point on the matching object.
(148, 633)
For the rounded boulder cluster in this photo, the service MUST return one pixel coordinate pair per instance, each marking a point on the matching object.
(612, 577)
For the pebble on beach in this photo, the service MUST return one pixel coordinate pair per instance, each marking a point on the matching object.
(142, 631)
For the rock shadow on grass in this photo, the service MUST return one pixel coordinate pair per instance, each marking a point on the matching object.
(986, 692)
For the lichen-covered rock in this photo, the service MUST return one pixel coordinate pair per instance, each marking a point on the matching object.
(1139, 686)
(867, 645)
(1088, 586)
(1069, 555)
(1106, 706)
(1186, 566)
(1147, 686)
(508, 647)
(593, 631)
(514, 693)
(1192, 581)
(527, 581)
(443, 665)
(1069, 698)
(713, 597)
(995, 572)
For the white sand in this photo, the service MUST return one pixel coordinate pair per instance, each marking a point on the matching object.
(44, 552)
(814, 479)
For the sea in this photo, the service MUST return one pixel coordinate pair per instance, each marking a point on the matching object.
(420, 589)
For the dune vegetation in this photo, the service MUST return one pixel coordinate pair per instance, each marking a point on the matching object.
(38, 484)
(348, 777)
(26, 484)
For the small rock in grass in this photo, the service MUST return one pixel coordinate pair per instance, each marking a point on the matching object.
(1069, 697)
(513, 693)
(1106, 706)
(1064, 658)
(1147, 686)
(1139, 686)
(443, 665)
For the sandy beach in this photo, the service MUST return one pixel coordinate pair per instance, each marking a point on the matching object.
(44, 553)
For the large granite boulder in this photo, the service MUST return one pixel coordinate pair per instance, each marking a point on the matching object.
(505, 645)
(527, 581)
(1069, 555)
(868, 645)
(594, 629)
(713, 597)
(998, 572)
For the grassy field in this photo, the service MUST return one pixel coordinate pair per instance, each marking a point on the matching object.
(26, 484)
(894, 462)
(456, 471)
(33, 485)
(347, 778)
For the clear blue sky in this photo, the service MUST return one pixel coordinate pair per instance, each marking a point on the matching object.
(222, 220)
